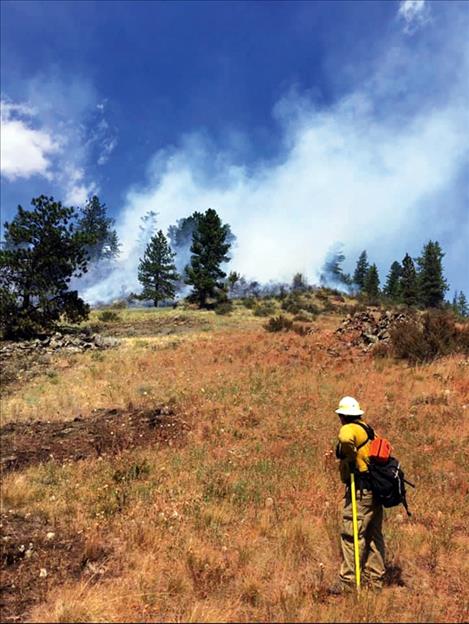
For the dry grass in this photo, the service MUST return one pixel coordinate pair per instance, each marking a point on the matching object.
(242, 523)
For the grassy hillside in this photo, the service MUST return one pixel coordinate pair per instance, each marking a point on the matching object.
(237, 517)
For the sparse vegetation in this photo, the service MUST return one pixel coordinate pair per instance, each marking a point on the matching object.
(278, 323)
(434, 334)
(264, 308)
(109, 316)
(240, 520)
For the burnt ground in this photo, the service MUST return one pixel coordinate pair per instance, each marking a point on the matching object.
(36, 556)
(104, 432)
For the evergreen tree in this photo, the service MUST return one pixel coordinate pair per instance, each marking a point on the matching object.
(98, 230)
(408, 282)
(393, 282)
(44, 250)
(209, 249)
(157, 271)
(361, 270)
(332, 271)
(431, 281)
(233, 279)
(299, 283)
(462, 306)
(454, 303)
(180, 236)
(371, 286)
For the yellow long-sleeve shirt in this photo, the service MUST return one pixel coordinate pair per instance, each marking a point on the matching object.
(351, 436)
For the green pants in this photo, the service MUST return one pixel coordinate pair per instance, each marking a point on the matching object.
(370, 539)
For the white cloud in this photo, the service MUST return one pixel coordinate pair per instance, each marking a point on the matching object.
(414, 13)
(59, 134)
(25, 151)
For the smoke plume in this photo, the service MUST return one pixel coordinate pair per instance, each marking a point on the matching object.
(384, 168)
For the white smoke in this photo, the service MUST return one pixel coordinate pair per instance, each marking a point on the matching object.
(369, 171)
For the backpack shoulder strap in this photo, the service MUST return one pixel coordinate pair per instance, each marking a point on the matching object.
(370, 433)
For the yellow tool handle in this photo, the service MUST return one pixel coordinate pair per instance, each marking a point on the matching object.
(355, 530)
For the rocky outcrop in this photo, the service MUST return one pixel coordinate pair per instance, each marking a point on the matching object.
(70, 343)
(366, 328)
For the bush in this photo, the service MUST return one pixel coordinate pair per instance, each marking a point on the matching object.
(434, 335)
(108, 316)
(330, 307)
(292, 304)
(120, 304)
(324, 293)
(226, 307)
(265, 308)
(304, 317)
(278, 323)
(249, 303)
(297, 304)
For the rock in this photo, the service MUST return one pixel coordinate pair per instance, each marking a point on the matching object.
(50, 535)
(43, 573)
(105, 342)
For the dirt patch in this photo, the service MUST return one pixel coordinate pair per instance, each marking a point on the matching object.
(105, 432)
(35, 557)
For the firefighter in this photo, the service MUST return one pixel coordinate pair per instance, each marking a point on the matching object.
(352, 450)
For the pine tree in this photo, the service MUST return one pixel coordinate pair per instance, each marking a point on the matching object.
(431, 281)
(209, 249)
(454, 303)
(232, 279)
(299, 283)
(371, 286)
(361, 270)
(408, 282)
(44, 250)
(332, 272)
(393, 282)
(180, 236)
(156, 271)
(97, 228)
(462, 305)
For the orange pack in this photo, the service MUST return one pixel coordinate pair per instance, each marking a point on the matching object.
(380, 450)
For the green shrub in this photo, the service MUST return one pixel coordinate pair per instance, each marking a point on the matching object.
(121, 304)
(278, 323)
(292, 304)
(266, 308)
(108, 316)
(249, 303)
(304, 317)
(225, 307)
(296, 303)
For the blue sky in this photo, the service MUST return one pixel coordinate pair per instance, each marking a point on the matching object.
(303, 123)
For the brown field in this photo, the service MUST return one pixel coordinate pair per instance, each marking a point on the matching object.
(235, 518)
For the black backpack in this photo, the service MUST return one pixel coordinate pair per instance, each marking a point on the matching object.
(387, 480)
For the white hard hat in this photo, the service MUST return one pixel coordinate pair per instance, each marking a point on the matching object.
(348, 406)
